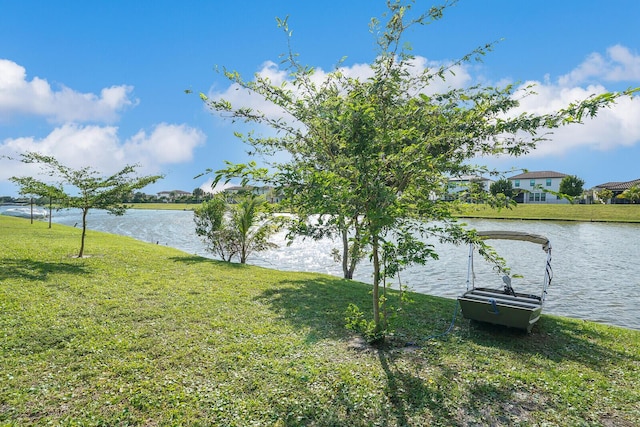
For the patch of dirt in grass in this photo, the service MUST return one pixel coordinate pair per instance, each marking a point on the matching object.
(390, 344)
(612, 420)
(358, 343)
(515, 409)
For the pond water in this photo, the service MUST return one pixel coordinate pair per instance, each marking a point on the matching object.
(595, 265)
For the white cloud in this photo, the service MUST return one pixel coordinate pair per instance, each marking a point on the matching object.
(166, 144)
(100, 148)
(19, 96)
(207, 186)
(456, 77)
(619, 64)
(615, 126)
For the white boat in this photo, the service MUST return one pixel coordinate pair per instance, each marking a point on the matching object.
(26, 212)
(504, 306)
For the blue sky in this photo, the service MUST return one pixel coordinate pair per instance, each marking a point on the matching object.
(102, 84)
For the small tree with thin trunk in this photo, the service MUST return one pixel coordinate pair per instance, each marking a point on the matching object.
(92, 190)
(252, 228)
(237, 229)
(604, 195)
(209, 218)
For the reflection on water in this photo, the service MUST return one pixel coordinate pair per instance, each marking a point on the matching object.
(595, 264)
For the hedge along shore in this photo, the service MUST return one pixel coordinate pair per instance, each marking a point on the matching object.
(141, 334)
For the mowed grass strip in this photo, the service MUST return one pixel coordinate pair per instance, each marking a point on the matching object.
(560, 212)
(164, 206)
(140, 334)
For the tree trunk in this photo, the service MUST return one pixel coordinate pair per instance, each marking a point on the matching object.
(376, 284)
(355, 256)
(84, 231)
(243, 249)
(50, 209)
(346, 271)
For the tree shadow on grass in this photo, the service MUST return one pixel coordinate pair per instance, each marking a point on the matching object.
(557, 339)
(319, 306)
(410, 394)
(36, 270)
(197, 259)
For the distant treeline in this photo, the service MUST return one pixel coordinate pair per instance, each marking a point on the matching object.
(137, 197)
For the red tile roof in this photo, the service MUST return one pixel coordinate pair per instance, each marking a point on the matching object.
(618, 185)
(539, 175)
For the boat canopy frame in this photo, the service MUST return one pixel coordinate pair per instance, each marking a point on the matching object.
(513, 235)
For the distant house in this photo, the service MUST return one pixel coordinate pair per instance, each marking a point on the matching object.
(534, 187)
(236, 189)
(617, 188)
(171, 195)
(461, 184)
(267, 191)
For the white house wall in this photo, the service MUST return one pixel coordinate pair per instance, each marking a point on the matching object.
(537, 190)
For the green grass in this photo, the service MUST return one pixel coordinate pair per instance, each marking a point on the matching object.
(140, 334)
(561, 212)
(564, 212)
(165, 206)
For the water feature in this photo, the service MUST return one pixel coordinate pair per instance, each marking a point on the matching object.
(596, 274)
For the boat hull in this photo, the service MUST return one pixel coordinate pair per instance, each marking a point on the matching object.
(494, 306)
(23, 212)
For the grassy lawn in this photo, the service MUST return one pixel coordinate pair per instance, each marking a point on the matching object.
(140, 334)
(605, 213)
(565, 212)
(165, 206)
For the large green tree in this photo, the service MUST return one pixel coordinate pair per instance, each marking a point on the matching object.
(501, 186)
(198, 193)
(572, 186)
(83, 188)
(502, 192)
(370, 157)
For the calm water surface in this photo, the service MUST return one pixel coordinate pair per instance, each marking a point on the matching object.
(596, 273)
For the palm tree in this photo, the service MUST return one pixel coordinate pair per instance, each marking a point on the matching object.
(253, 228)
(632, 194)
(198, 193)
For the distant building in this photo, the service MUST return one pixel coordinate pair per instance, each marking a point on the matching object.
(267, 191)
(236, 189)
(461, 184)
(534, 187)
(617, 188)
(171, 195)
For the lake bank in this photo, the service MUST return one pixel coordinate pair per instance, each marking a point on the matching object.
(594, 278)
(145, 334)
(551, 212)
(556, 212)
